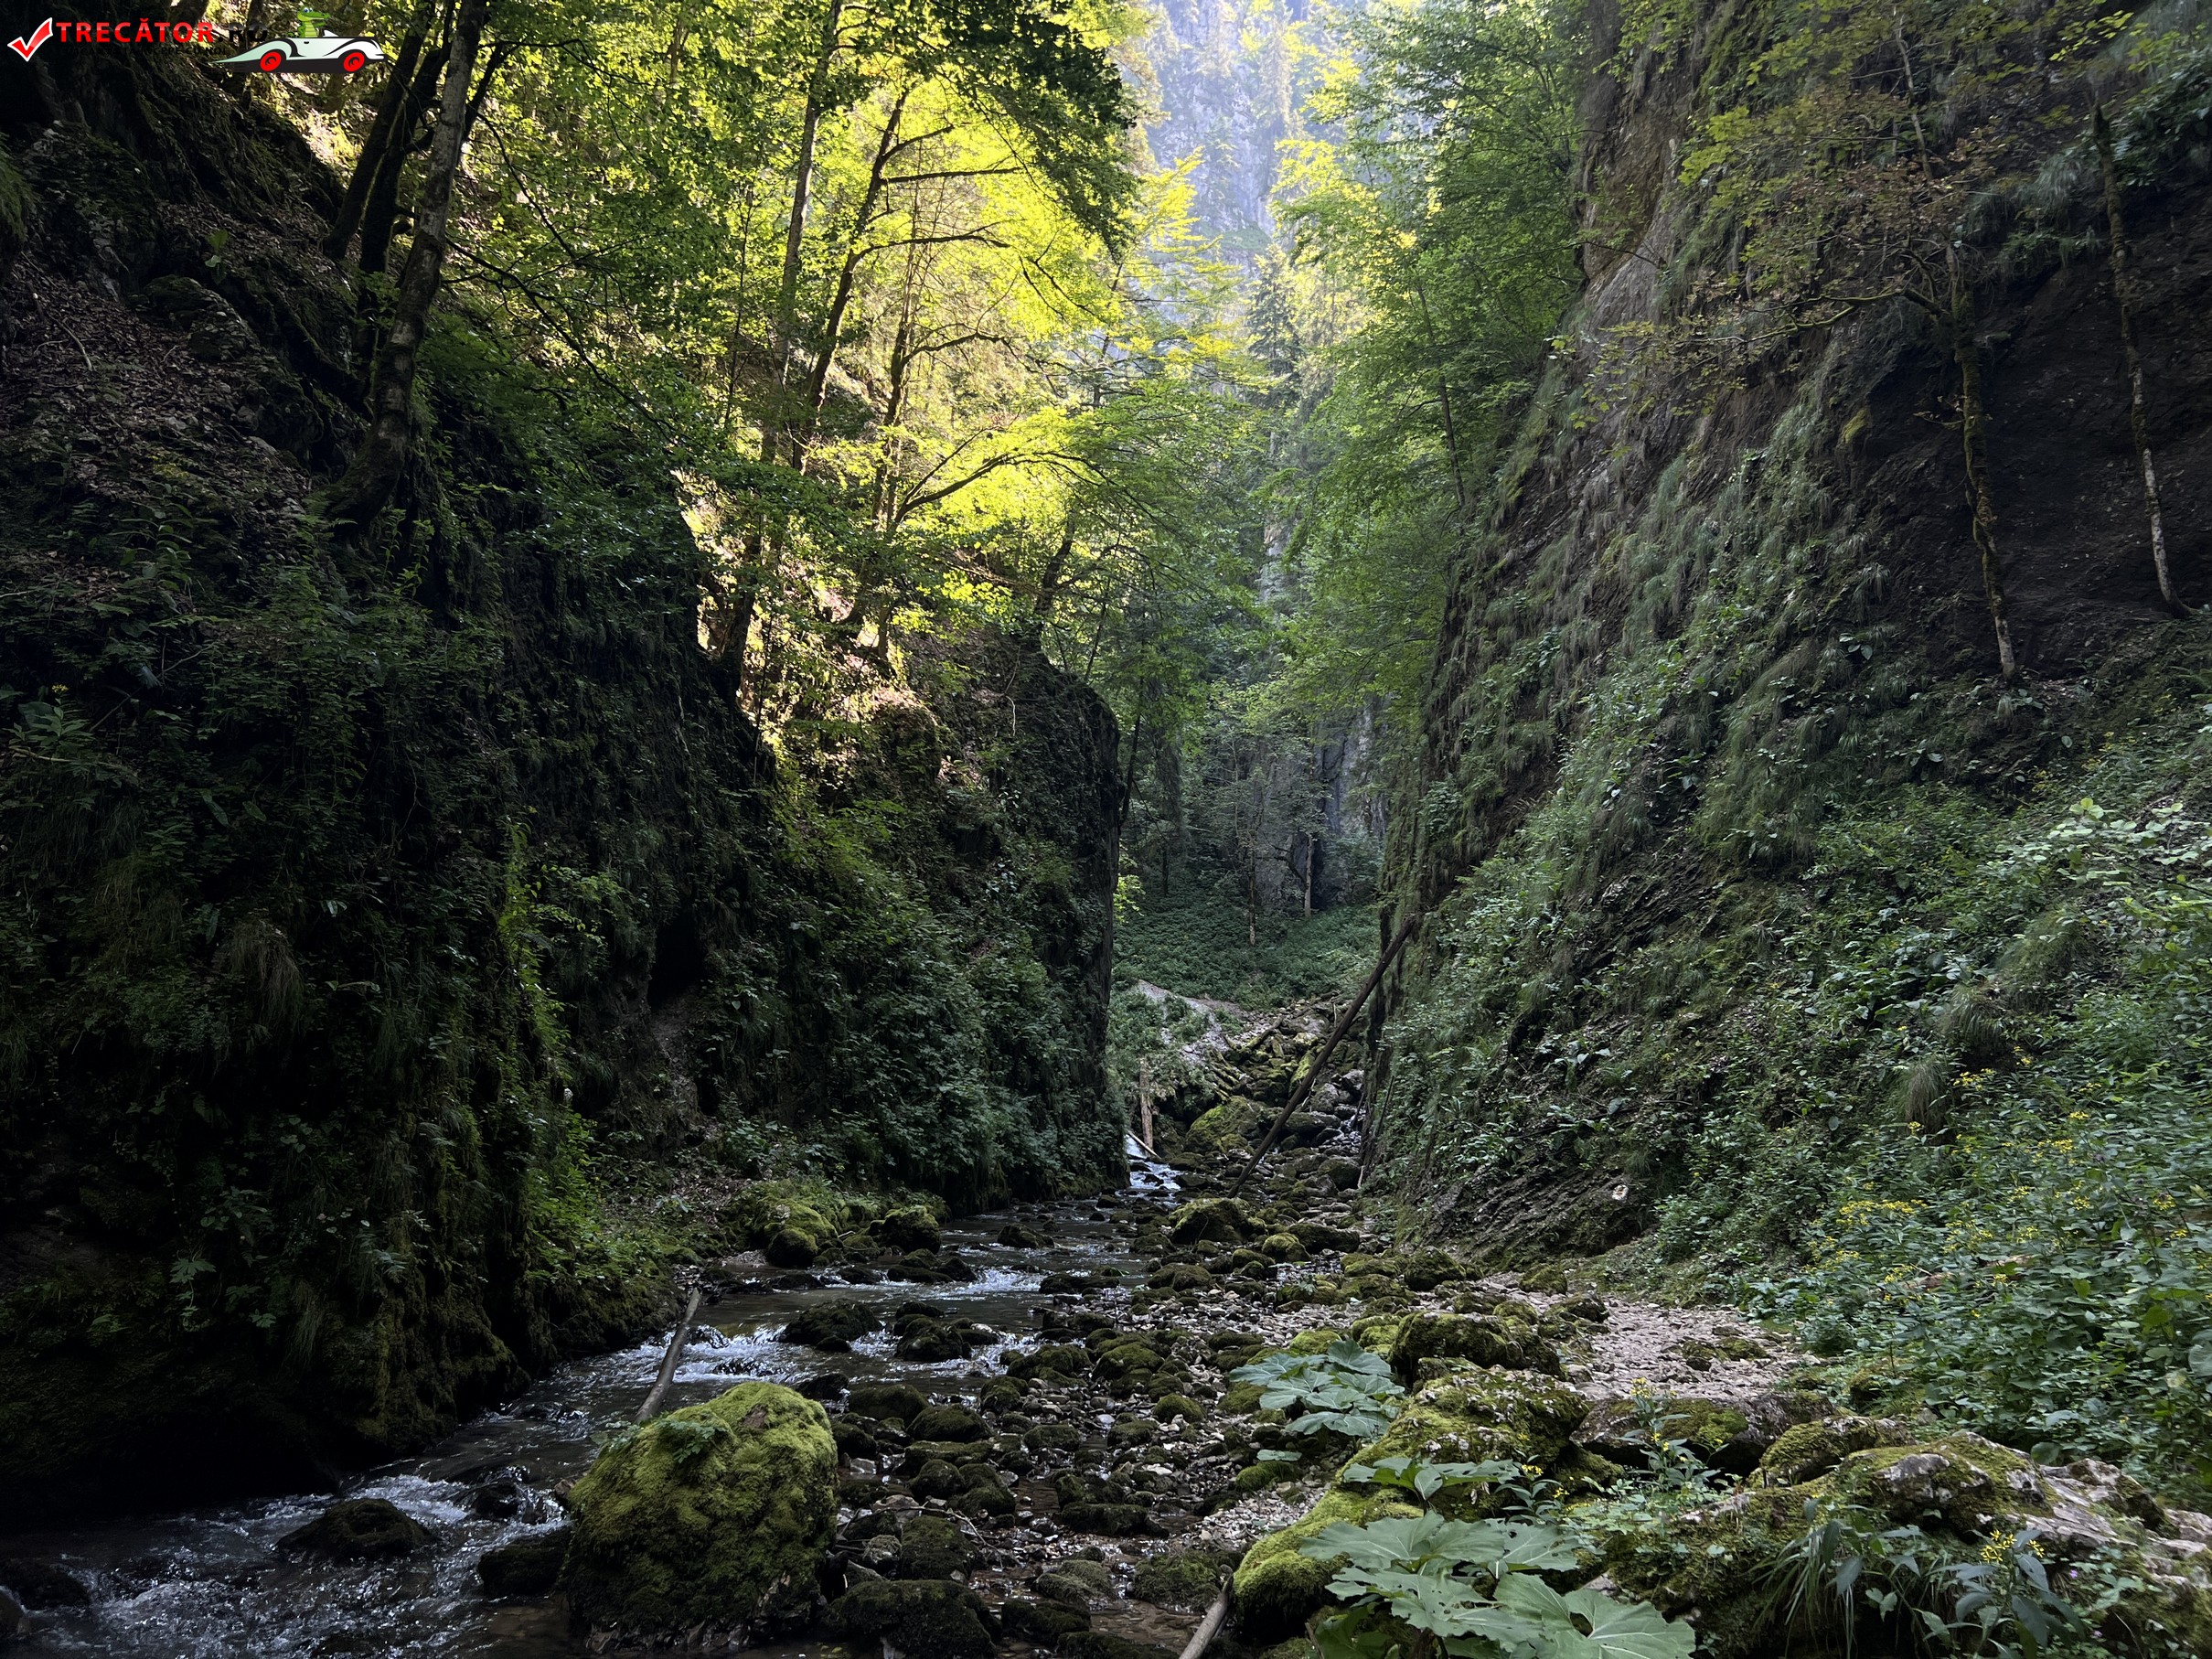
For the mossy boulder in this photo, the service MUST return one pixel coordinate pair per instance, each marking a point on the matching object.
(892, 1402)
(1282, 1246)
(367, 1529)
(1211, 1221)
(1519, 1415)
(703, 1515)
(1483, 1340)
(1184, 1579)
(929, 1619)
(1277, 1588)
(1318, 1340)
(947, 1422)
(912, 1227)
(1720, 1563)
(1809, 1450)
(931, 1546)
(1076, 1582)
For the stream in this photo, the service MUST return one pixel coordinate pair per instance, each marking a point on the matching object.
(210, 1582)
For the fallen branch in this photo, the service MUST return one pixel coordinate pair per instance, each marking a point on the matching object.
(1320, 1055)
(667, 1360)
(1209, 1626)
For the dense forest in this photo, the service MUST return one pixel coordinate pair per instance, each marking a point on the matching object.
(1555, 654)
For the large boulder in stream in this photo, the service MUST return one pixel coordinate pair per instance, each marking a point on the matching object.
(712, 1515)
(367, 1529)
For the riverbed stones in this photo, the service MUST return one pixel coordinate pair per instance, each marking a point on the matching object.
(700, 1517)
(1183, 1579)
(1211, 1221)
(528, 1566)
(367, 1529)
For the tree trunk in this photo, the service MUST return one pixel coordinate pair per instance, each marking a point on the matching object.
(383, 132)
(380, 211)
(1972, 426)
(795, 228)
(2139, 420)
(367, 487)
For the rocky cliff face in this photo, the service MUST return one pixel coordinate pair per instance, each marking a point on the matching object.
(381, 941)
(1716, 687)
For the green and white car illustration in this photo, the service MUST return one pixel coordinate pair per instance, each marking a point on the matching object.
(325, 54)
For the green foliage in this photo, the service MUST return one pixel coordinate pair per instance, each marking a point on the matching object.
(1475, 1586)
(1199, 943)
(1342, 1391)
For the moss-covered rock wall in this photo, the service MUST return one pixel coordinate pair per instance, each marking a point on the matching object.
(401, 952)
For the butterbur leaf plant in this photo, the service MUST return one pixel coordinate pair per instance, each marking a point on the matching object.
(1343, 1390)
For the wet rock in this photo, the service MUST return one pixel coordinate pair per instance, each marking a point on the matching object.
(1076, 1582)
(1107, 1520)
(931, 1342)
(702, 1516)
(1020, 1237)
(503, 1494)
(948, 1423)
(1319, 1235)
(1059, 1359)
(985, 1496)
(1041, 1624)
(1001, 1394)
(935, 1478)
(926, 1618)
(1130, 1431)
(1179, 1275)
(40, 1585)
(1064, 1284)
(13, 1617)
(1099, 1644)
(528, 1566)
(1184, 1579)
(893, 1402)
(1168, 1407)
(853, 1441)
(1052, 1436)
(790, 1247)
(931, 1547)
(368, 1529)
(828, 1385)
(831, 1326)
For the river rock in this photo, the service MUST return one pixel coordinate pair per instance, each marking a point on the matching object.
(13, 1618)
(1015, 1236)
(40, 1584)
(831, 1326)
(1076, 1582)
(893, 1402)
(932, 1340)
(1211, 1221)
(927, 1618)
(528, 1566)
(909, 1229)
(948, 1423)
(1107, 1520)
(1041, 1624)
(703, 1515)
(367, 1529)
(930, 1547)
(790, 1247)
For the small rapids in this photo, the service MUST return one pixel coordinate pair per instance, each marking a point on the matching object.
(211, 1584)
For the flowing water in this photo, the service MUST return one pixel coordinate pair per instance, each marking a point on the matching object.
(210, 1583)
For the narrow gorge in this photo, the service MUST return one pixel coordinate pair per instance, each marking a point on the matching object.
(991, 827)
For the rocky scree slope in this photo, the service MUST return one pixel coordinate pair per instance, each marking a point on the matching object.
(384, 930)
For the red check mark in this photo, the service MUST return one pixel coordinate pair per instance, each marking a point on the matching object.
(25, 48)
